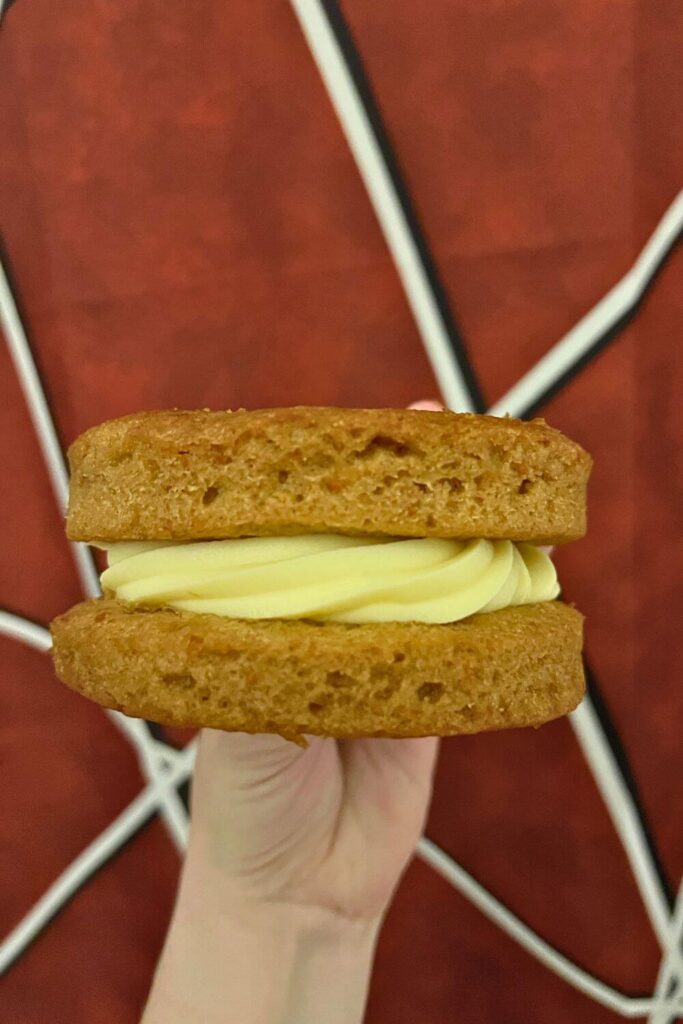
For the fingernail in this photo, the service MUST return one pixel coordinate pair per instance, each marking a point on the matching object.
(427, 406)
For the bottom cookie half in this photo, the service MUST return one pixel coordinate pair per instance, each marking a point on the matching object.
(515, 667)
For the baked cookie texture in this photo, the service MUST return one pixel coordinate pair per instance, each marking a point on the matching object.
(515, 667)
(384, 472)
(387, 472)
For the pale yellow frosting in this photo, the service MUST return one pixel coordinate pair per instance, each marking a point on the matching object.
(331, 577)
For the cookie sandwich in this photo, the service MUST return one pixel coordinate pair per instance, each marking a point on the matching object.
(335, 572)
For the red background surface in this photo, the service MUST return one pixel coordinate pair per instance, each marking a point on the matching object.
(185, 227)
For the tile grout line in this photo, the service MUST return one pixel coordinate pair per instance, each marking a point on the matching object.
(528, 939)
(671, 971)
(622, 299)
(624, 817)
(144, 806)
(371, 166)
(171, 808)
(39, 412)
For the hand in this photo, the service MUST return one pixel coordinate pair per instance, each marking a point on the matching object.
(293, 858)
(331, 826)
(294, 855)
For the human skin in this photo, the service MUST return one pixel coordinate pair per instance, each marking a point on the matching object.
(293, 858)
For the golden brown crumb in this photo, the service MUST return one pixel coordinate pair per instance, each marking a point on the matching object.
(519, 666)
(191, 475)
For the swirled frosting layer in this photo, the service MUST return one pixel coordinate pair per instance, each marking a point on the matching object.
(331, 578)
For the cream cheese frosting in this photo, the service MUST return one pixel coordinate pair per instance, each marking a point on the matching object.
(329, 577)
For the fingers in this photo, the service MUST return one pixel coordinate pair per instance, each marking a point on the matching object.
(390, 763)
(241, 753)
(415, 756)
(388, 787)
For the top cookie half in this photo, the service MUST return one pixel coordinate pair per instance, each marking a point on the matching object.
(208, 475)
